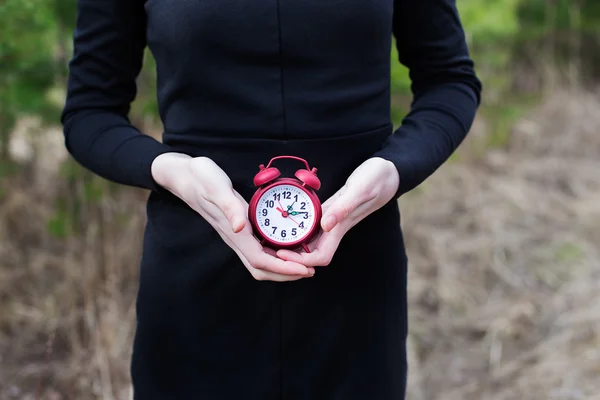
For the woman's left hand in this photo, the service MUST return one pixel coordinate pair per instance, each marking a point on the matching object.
(372, 185)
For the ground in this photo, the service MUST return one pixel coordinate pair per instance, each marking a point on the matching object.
(505, 264)
(504, 269)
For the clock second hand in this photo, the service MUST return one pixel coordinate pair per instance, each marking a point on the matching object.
(293, 220)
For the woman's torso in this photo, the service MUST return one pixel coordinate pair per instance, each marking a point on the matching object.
(241, 81)
(273, 69)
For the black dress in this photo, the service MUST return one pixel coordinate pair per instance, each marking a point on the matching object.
(241, 81)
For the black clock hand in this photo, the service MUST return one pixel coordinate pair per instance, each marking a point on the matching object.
(291, 207)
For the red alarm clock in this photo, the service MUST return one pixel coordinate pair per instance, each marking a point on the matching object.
(285, 213)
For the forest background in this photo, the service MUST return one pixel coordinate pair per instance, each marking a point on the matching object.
(502, 240)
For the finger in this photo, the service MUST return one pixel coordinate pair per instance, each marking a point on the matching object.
(290, 255)
(261, 275)
(265, 259)
(232, 206)
(247, 245)
(342, 207)
(268, 264)
(271, 263)
(273, 253)
(294, 255)
(332, 199)
(320, 256)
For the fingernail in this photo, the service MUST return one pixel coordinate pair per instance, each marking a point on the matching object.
(311, 271)
(238, 224)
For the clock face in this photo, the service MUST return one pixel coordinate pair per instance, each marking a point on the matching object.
(285, 214)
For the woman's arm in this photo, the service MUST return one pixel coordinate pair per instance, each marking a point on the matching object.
(431, 43)
(109, 42)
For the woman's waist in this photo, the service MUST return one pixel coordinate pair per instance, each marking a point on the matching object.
(335, 157)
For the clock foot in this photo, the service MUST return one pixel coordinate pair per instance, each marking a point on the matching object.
(305, 247)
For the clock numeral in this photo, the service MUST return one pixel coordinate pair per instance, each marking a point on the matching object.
(296, 208)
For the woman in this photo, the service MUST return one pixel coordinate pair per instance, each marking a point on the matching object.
(239, 82)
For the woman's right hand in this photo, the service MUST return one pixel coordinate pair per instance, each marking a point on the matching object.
(207, 189)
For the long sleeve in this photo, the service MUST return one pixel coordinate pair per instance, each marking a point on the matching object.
(431, 44)
(109, 41)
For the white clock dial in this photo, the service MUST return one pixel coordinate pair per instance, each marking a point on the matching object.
(285, 213)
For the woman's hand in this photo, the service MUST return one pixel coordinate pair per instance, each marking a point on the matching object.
(372, 185)
(205, 187)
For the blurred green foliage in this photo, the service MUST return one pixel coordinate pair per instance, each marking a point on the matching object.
(514, 44)
(35, 40)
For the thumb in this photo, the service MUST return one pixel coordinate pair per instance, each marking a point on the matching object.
(234, 209)
(343, 204)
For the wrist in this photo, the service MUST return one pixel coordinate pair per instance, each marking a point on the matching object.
(170, 171)
(390, 173)
(394, 174)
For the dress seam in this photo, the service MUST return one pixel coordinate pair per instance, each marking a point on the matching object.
(281, 80)
(281, 343)
(285, 137)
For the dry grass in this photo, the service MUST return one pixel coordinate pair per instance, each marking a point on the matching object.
(505, 265)
(67, 310)
(504, 280)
